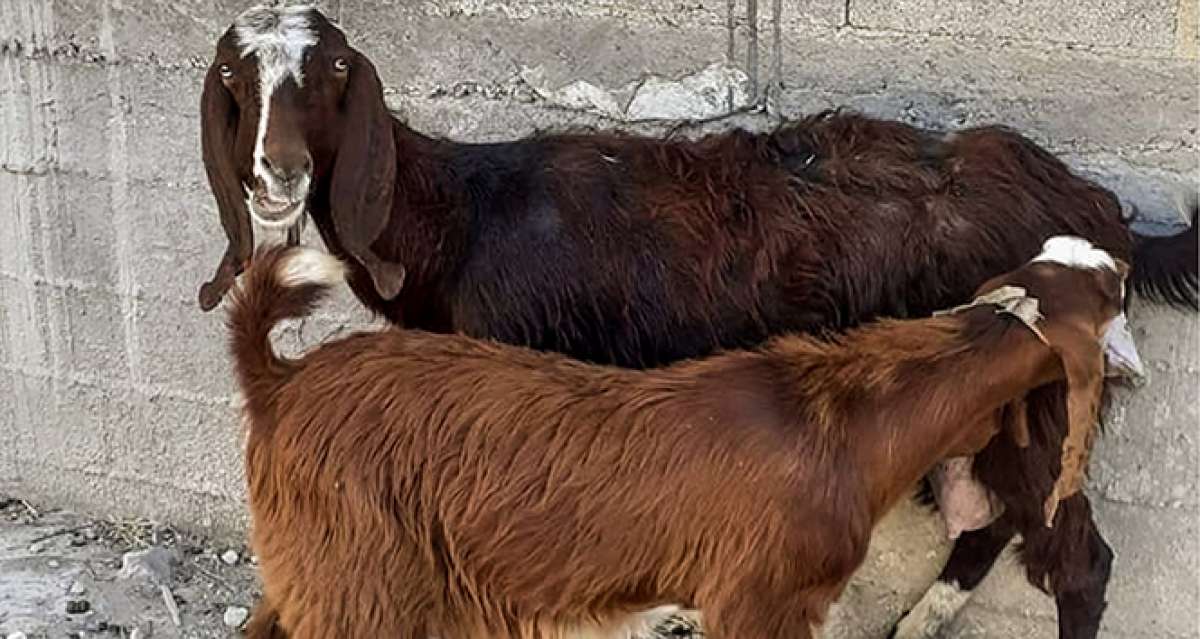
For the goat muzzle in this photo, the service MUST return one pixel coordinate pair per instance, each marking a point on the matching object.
(1121, 356)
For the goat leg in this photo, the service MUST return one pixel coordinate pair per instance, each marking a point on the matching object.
(974, 554)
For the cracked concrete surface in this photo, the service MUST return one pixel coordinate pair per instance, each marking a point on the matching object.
(115, 396)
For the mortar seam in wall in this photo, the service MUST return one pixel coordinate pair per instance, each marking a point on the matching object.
(981, 42)
(143, 482)
(119, 198)
(140, 480)
(146, 389)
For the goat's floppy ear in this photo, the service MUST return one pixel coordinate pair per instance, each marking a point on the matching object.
(364, 175)
(1083, 361)
(219, 122)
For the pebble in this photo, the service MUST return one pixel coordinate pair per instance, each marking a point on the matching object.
(235, 616)
(77, 589)
(17, 635)
(156, 564)
(37, 546)
(53, 563)
(78, 606)
(230, 557)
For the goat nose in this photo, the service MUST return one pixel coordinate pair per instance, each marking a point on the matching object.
(290, 170)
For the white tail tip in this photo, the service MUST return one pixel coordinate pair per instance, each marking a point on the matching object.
(310, 266)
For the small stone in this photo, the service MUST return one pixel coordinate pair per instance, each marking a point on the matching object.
(17, 635)
(90, 534)
(235, 616)
(230, 557)
(77, 589)
(78, 606)
(37, 546)
(155, 564)
(254, 559)
(53, 563)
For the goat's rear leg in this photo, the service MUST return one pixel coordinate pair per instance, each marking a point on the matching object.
(763, 608)
(974, 554)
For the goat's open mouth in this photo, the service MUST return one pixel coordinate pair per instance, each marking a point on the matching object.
(271, 212)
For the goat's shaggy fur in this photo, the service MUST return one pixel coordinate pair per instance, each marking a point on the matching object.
(409, 484)
(639, 252)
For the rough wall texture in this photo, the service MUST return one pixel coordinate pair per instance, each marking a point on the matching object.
(115, 394)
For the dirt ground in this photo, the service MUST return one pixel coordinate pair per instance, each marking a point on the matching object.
(63, 576)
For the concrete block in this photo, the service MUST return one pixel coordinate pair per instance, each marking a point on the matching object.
(1139, 24)
(165, 430)
(10, 469)
(80, 237)
(89, 332)
(175, 34)
(71, 424)
(182, 349)
(176, 237)
(26, 328)
(29, 87)
(25, 204)
(159, 116)
(427, 55)
(698, 12)
(1142, 110)
(85, 116)
(1187, 30)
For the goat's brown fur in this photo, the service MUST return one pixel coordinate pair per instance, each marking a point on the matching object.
(408, 484)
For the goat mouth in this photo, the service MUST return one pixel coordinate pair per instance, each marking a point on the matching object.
(271, 212)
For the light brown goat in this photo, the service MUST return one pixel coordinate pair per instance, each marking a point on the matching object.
(406, 484)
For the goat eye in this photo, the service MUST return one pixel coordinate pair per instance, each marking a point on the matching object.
(340, 65)
(226, 71)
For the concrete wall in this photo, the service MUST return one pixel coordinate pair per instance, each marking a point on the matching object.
(115, 395)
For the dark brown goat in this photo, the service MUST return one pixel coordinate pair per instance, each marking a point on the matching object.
(640, 252)
(407, 484)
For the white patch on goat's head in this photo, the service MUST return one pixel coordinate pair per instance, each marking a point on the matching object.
(1076, 252)
(310, 266)
(278, 37)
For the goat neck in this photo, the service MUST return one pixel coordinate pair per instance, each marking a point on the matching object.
(919, 392)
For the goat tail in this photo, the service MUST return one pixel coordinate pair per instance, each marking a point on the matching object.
(282, 282)
(1164, 268)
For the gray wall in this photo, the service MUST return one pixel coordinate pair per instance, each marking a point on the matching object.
(115, 395)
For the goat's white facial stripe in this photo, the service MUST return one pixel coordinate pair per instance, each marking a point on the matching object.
(1077, 252)
(278, 37)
